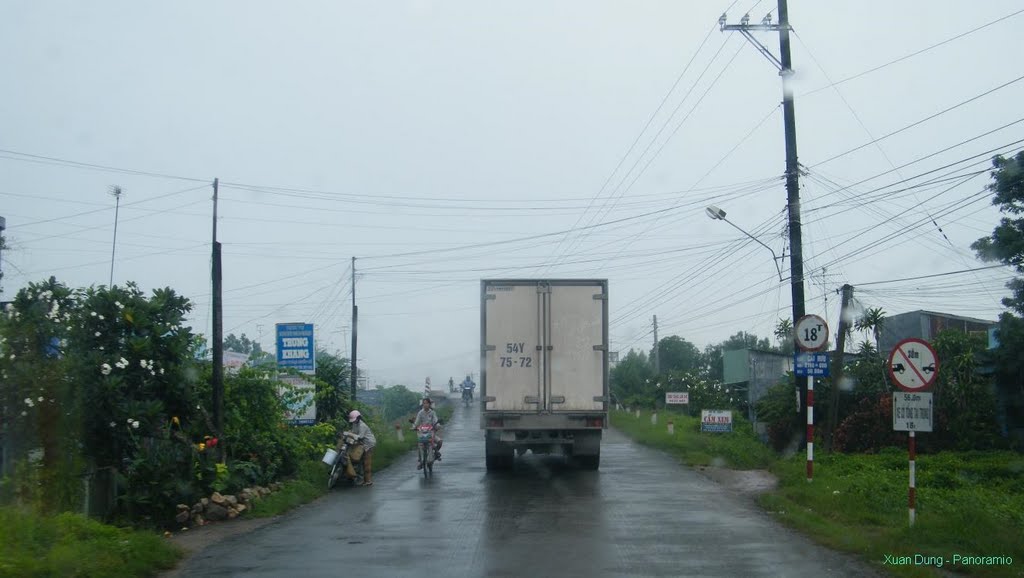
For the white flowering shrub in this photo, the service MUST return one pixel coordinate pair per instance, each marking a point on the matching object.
(34, 390)
(101, 375)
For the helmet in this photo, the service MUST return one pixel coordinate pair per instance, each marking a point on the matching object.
(354, 415)
(427, 399)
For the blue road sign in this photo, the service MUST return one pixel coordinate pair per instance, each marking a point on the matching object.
(810, 364)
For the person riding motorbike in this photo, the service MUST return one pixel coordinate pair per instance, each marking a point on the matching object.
(426, 415)
(368, 440)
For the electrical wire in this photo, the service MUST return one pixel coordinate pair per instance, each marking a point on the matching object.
(912, 54)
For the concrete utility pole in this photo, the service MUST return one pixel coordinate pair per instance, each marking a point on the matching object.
(116, 192)
(657, 360)
(355, 326)
(785, 66)
(3, 226)
(218, 333)
(837, 363)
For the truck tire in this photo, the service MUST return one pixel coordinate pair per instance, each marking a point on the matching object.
(499, 457)
(591, 462)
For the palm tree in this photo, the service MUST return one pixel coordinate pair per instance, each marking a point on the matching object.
(872, 322)
(784, 332)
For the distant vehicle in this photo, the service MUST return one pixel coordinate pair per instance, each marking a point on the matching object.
(544, 374)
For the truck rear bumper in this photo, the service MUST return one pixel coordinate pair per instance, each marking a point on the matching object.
(540, 421)
(574, 441)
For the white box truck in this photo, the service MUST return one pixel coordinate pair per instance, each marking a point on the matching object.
(544, 368)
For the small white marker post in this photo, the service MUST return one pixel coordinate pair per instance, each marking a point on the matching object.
(671, 428)
(654, 418)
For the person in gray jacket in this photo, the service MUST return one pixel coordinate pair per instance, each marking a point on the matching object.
(426, 415)
(369, 441)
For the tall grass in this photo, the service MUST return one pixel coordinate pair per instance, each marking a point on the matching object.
(968, 503)
(73, 545)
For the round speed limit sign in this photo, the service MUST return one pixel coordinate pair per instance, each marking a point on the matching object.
(811, 333)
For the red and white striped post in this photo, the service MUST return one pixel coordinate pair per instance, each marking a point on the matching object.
(912, 494)
(810, 428)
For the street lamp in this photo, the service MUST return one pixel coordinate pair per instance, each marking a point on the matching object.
(719, 215)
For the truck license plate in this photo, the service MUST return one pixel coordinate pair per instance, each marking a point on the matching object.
(508, 436)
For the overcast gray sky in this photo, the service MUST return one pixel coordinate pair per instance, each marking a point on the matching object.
(444, 142)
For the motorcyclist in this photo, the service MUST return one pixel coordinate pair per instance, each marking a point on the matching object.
(368, 440)
(426, 415)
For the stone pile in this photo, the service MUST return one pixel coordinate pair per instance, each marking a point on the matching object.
(219, 507)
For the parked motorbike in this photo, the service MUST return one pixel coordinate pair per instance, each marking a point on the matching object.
(347, 464)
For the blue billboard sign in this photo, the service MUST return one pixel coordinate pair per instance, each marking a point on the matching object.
(295, 348)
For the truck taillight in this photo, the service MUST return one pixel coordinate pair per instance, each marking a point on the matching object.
(595, 422)
(495, 422)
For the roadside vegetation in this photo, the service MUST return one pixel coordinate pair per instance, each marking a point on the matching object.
(310, 483)
(72, 545)
(739, 449)
(969, 503)
(969, 468)
(105, 410)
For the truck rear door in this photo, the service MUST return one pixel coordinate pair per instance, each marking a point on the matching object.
(512, 369)
(578, 344)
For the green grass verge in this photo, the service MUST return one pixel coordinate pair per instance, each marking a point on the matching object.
(73, 545)
(739, 449)
(968, 503)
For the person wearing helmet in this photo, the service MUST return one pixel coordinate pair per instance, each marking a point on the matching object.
(426, 415)
(369, 441)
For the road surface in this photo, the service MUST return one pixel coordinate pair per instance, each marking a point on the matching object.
(641, 514)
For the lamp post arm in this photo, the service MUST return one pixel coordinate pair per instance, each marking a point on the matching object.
(775, 258)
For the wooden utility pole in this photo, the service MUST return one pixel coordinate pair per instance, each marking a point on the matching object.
(218, 334)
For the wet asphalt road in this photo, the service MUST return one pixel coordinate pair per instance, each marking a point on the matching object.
(642, 514)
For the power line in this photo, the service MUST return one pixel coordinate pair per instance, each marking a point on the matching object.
(603, 211)
(107, 208)
(640, 134)
(27, 157)
(960, 272)
(923, 120)
(912, 54)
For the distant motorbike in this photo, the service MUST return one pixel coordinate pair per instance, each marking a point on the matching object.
(346, 464)
(467, 397)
